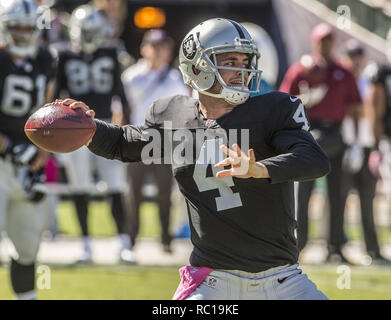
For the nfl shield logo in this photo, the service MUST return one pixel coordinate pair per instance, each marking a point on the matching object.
(210, 122)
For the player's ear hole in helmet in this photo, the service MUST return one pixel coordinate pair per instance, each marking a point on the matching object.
(198, 63)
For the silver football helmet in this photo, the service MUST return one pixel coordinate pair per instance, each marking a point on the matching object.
(199, 49)
(88, 28)
(18, 27)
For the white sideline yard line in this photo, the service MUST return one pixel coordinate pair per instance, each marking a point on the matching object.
(63, 189)
(331, 17)
(54, 188)
(148, 251)
(105, 251)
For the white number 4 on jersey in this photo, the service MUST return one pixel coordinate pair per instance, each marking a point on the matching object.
(210, 154)
(300, 117)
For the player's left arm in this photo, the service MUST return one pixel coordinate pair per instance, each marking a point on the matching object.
(299, 157)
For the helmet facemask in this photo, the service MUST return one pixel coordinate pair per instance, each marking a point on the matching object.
(249, 83)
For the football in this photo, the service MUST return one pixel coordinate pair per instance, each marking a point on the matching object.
(57, 128)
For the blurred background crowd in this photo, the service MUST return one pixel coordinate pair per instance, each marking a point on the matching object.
(336, 58)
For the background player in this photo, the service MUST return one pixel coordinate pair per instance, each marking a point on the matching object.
(91, 72)
(242, 217)
(26, 74)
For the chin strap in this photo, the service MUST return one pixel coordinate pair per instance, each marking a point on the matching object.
(230, 96)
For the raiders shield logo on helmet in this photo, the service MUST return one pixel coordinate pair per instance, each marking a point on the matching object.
(189, 47)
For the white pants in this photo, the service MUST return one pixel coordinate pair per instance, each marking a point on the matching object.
(281, 283)
(22, 219)
(80, 164)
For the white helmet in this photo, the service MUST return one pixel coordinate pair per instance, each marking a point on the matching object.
(88, 28)
(19, 31)
(199, 50)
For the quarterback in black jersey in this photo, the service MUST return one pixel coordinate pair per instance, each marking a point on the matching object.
(241, 207)
(26, 84)
(91, 72)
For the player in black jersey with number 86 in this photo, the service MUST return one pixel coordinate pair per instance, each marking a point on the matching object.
(241, 206)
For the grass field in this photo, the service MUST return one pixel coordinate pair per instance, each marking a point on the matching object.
(150, 283)
(100, 222)
(104, 283)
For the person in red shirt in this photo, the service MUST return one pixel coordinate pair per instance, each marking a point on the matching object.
(329, 92)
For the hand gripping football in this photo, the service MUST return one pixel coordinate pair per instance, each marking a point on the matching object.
(57, 128)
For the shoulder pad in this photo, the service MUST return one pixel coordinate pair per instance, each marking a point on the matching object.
(273, 97)
(178, 109)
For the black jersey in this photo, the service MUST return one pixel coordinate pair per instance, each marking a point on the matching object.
(242, 224)
(92, 78)
(383, 77)
(22, 90)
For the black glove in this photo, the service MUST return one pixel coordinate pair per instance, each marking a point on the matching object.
(22, 154)
(30, 180)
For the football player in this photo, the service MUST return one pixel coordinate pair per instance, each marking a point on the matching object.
(91, 72)
(241, 207)
(26, 81)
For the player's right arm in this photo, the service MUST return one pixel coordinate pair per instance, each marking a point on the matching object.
(114, 142)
